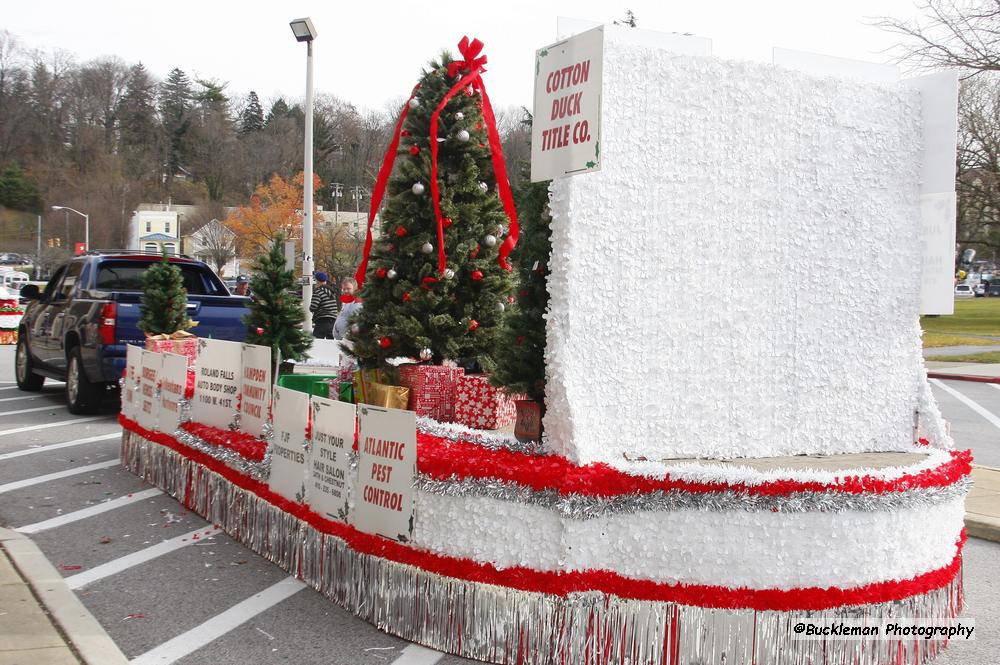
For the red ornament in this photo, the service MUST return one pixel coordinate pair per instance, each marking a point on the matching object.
(510, 299)
(380, 273)
(385, 342)
(479, 125)
(474, 253)
(404, 133)
(406, 297)
(414, 150)
(400, 231)
(473, 325)
(476, 275)
(446, 222)
(260, 331)
(429, 280)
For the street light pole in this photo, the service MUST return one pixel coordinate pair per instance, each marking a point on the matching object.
(86, 225)
(305, 32)
(338, 191)
(38, 252)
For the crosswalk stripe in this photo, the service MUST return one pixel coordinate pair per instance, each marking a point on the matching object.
(37, 480)
(32, 428)
(53, 407)
(57, 446)
(22, 397)
(415, 654)
(187, 643)
(142, 556)
(968, 402)
(90, 511)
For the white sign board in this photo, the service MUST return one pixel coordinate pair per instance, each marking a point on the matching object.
(173, 379)
(387, 463)
(133, 364)
(216, 382)
(148, 414)
(255, 392)
(566, 129)
(330, 480)
(288, 456)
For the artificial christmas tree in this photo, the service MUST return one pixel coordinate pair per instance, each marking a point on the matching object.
(276, 315)
(164, 300)
(436, 284)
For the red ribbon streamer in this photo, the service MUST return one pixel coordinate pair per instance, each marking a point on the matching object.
(383, 179)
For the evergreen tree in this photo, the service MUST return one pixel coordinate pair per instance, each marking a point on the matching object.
(279, 110)
(18, 191)
(137, 118)
(521, 352)
(276, 315)
(409, 306)
(252, 117)
(164, 300)
(175, 111)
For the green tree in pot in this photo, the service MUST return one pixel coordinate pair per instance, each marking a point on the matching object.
(164, 300)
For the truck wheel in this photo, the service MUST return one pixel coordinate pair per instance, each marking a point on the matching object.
(82, 396)
(26, 379)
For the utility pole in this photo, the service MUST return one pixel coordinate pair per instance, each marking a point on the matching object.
(38, 252)
(357, 193)
(336, 191)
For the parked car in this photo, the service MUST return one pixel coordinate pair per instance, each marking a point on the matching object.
(993, 289)
(963, 291)
(78, 328)
(979, 290)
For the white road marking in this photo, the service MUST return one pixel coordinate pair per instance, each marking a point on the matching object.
(39, 408)
(57, 446)
(415, 654)
(32, 428)
(142, 556)
(995, 385)
(37, 480)
(187, 643)
(968, 402)
(90, 511)
(15, 399)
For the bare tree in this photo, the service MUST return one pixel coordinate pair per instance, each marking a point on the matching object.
(951, 34)
(979, 165)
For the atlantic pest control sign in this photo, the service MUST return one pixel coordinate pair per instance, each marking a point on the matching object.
(566, 127)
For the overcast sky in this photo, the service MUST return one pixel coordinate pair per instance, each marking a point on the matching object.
(371, 52)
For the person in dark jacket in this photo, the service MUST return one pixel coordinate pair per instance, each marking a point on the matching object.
(323, 308)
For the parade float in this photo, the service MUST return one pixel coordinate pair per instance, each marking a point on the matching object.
(720, 457)
(11, 312)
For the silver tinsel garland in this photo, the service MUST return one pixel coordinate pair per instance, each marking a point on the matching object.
(504, 625)
(490, 440)
(578, 506)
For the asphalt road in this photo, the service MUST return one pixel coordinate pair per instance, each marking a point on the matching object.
(181, 605)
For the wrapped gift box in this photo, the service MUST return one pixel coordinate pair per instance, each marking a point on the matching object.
(481, 406)
(184, 346)
(432, 389)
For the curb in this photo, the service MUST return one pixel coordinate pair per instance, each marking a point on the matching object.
(963, 377)
(86, 636)
(985, 527)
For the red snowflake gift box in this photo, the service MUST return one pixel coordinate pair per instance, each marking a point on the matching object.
(432, 389)
(482, 406)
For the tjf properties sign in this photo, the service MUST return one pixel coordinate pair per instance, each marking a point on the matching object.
(566, 128)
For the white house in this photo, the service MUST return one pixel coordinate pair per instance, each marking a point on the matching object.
(156, 231)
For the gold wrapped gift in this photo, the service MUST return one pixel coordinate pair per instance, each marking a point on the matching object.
(392, 397)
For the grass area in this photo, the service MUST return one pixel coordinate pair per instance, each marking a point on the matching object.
(988, 357)
(973, 316)
(934, 340)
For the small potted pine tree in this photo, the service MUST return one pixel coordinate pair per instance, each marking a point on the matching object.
(163, 311)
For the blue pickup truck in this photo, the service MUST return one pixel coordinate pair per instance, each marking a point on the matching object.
(76, 330)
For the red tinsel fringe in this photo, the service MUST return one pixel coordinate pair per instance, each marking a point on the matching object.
(245, 445)
(564, 583)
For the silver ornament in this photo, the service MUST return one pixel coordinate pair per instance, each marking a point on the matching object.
(459, 115)
(462, 136)
(483, 187)
(490, 240)
(501, 307)
(427, 248)
(449, 273)
(426, 354)
(418, 188)
(414, 103)
(355, 329)
(390, 273)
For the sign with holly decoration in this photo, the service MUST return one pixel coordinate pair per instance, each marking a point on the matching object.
(566, 126)
(148, 413)
(288, 447)
(130, 383)
(173, 380)
(330, 479)
(387, 463)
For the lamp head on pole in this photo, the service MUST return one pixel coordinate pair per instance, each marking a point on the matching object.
(58, 208)
(303, 29)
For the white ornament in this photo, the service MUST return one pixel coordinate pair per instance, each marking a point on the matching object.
(462, 136)
(390, 273)
(418, 188)
(427, 248)
(449, 273)
(459, 115)
(490, 240)
(501, 307)
(414, 103)
(426, 354)
(355, 329)
(483, 187)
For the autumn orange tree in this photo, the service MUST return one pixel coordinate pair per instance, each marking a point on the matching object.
(275, 209)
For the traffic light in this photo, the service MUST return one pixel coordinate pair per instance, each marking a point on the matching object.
(58, 242)
(50, 242)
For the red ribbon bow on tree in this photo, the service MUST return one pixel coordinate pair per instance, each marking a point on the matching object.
(473, 64)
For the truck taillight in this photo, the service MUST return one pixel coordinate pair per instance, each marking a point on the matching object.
(109, 314)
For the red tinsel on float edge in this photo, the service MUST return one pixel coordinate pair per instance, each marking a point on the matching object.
(245, 445)
(443, 459)
(563, 583)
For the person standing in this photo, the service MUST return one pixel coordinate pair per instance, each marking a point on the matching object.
(323, 308)
(349, 304)
(243, 286)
